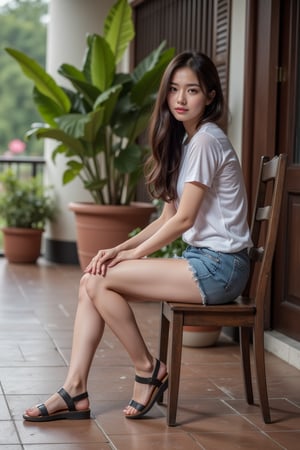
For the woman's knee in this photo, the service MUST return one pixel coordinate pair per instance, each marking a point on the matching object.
(83, 281)
(91, 284)
(85, 286)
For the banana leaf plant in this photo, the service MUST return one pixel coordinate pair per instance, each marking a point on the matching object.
(96, 122)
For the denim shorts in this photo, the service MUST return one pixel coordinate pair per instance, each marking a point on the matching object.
(221, 277)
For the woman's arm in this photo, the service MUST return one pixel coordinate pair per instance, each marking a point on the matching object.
(167, 212)
(179, 222)
(171, 227)
(168, 227)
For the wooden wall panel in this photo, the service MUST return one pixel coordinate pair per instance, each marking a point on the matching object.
(202, 25)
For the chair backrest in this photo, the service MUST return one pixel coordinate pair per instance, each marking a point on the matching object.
(264, 225)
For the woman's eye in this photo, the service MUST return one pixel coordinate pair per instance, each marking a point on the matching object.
(172, 89)
(193, 91)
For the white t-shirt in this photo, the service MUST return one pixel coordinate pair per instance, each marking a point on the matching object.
(221, 223)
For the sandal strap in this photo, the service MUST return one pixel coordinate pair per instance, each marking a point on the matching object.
(70, 401)
(136, 405)
(43, 409)
(153, 380)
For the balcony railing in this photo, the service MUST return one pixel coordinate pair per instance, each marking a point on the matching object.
(32, 165)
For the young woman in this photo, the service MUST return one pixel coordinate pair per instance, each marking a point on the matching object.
(195, 170)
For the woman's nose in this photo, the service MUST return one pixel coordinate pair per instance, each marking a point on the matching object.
(181, 100)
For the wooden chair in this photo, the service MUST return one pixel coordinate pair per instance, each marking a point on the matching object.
(247, 311)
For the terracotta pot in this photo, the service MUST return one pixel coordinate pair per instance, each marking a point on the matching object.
(22, 245)
(200, 336)
(104, 226)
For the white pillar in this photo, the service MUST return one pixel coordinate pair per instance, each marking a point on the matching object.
(69, 23)
(236, 73)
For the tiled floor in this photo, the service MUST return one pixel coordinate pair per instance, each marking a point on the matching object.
(37, 305)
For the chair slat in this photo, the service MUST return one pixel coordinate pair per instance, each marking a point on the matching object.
(270, 169)
(263, 213)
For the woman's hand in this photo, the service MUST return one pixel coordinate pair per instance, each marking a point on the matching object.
(98, 265)
(108, 258)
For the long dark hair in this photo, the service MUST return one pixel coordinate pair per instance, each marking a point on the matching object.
(166, 133)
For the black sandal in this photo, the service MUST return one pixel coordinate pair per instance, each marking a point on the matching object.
(159, 387)
(70, 413)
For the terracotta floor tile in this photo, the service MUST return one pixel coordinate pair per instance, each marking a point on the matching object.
(180, 441)
(281, 421)
(37, 310)
(8, 435)
(214, 423)
(60, 432)
(73, 446)
(236, 441)
(11, 447)
(4, 412)
(287, 440)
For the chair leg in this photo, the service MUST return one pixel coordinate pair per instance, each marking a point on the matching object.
(174, 367)
(246, 367)
(163, 342)
(259, 355)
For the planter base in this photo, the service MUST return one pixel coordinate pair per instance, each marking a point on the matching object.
(22, 245)
(200, 336)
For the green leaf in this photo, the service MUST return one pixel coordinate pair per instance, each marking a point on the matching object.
(108, 100)
(118, 28)
(102, 63)
(77, 78)
(43, 82)
(60, 149)
(128, 159)
(47, 108)
(73, 124)
(96, 184)
(70, 175)
(92, 127)
(148, 84)
(74, 165)
(131, 125)
(61, 136)
(148, 63)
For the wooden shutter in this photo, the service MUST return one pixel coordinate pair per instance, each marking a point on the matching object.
(202, 25)
(221, 41)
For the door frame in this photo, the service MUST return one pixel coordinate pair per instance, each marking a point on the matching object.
(260, 94)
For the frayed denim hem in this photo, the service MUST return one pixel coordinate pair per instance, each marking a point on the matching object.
(195, 278)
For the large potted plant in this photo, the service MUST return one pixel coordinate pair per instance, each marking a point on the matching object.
(25, 206)
(97, 121)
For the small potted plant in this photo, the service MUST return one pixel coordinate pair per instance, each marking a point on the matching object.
(96, 122)
(25, 206)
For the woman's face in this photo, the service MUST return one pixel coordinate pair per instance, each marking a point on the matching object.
(186, 100)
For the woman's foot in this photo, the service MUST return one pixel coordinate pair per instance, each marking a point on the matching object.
(148, 387)
(61, 405)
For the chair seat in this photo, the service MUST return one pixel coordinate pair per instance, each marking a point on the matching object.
(199, 314)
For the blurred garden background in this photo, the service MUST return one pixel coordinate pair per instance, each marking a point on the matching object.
(23, 25)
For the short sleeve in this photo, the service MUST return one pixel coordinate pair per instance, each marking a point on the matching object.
(201, 160)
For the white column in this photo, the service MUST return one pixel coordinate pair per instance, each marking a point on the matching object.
(69, 23)
(236, 73)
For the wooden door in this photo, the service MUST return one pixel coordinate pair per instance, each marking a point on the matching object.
(286, 276)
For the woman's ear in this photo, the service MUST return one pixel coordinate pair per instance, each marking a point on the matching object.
(210, 97)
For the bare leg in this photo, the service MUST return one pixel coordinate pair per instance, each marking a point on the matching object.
(173, 281)
(88, 330)
(105, 300)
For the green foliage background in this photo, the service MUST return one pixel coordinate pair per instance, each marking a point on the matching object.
(22, 26)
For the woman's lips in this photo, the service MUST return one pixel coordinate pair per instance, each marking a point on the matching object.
(180, 110)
